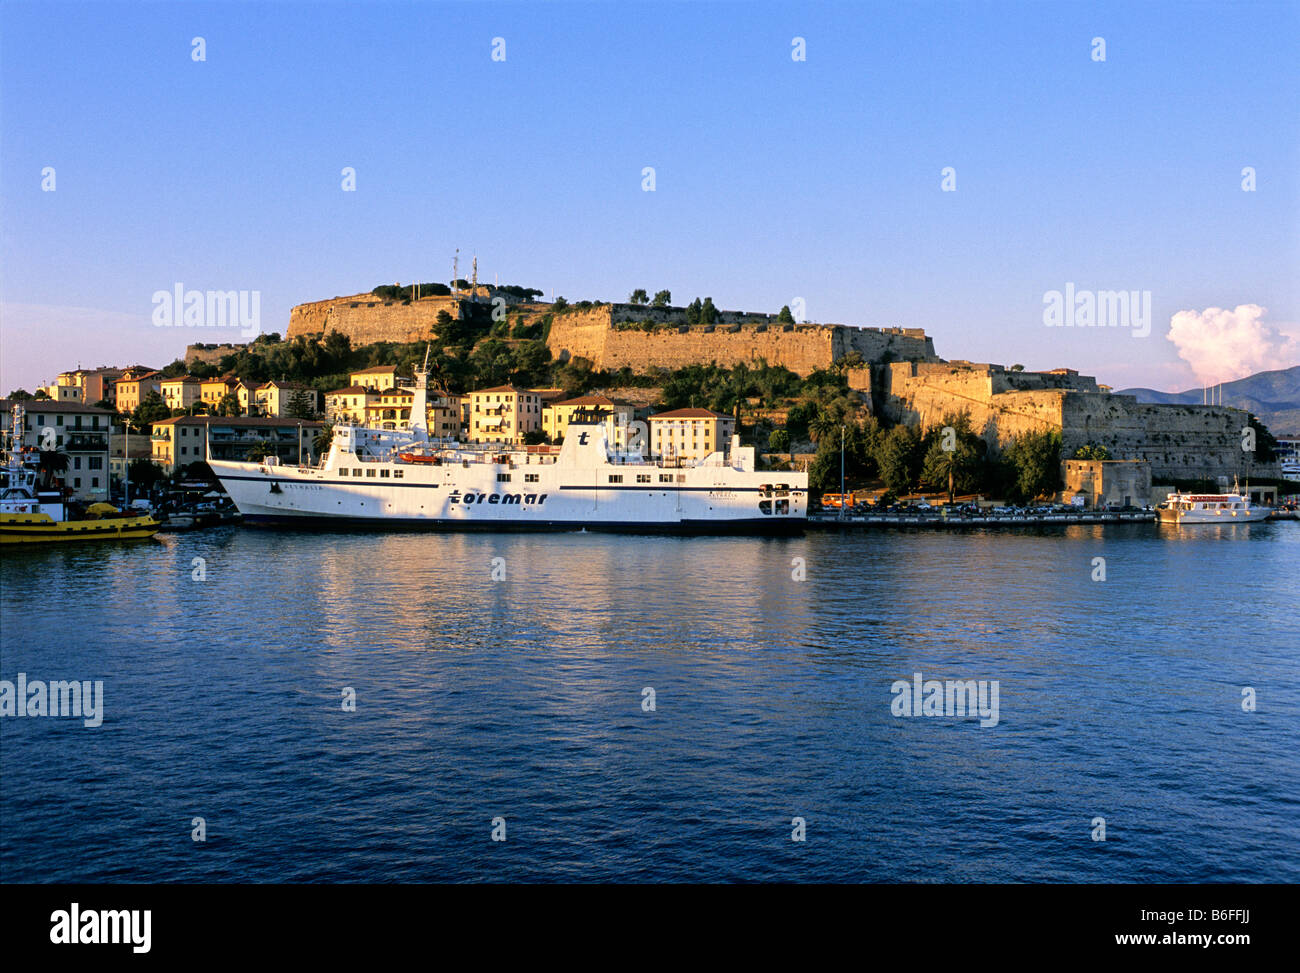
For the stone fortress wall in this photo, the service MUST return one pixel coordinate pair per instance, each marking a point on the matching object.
(1179, 441)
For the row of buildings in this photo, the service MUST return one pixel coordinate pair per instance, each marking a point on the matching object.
(98, 449)
(509, 414)
(96, 452)
(125, 388)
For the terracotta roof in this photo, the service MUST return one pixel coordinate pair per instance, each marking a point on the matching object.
(180, 378)
(53, 406)
(353, 390)
(503, 388)
(585, 400)
(376, 370)
(691, 414)
(236, 421)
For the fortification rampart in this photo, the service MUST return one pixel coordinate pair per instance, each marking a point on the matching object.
(614, 336)
(1180, 442)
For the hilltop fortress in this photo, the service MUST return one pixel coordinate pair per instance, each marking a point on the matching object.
(900, 376)
(614, 336)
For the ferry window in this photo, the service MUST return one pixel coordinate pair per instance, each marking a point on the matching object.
(343, 471)
(370, 473)
(383, 474)
(765, 506)
(356, 472)
(616, 478)
(530, 477)
(398, 474)
(665, 478)
(643, 477)
(503, 477)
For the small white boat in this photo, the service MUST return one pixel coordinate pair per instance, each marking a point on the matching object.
(1210, 508)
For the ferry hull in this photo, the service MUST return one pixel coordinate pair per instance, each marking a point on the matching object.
(752, 526)
(40, 529)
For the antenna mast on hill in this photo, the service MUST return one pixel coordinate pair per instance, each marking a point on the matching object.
(473, 284)
(455, 270)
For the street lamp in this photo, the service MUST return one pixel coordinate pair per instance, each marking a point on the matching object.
(126, 461)
(841, 517)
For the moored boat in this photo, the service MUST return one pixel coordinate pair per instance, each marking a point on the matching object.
(404, 478)
(30, 515)
(1210, 508)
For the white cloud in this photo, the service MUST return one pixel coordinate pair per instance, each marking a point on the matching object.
(1222, 345)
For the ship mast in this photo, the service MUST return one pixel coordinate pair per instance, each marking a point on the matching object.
(420, 404)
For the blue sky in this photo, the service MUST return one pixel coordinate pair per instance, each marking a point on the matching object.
(775, 179)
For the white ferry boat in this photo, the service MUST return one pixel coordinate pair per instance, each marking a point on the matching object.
(406, 479)
(1209, 508)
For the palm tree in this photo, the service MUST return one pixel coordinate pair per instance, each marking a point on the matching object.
(322, 440)
(822, 425)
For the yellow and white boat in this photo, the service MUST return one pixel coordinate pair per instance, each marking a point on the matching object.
(30, 516)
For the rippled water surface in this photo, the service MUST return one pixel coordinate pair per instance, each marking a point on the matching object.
(522, 698)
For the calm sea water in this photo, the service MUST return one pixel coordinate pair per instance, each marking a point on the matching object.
(522, 699)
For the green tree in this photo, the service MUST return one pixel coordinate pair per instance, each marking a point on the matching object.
(639, 296)
(662, 298)
(694, 310)
(901, 457)
(778, 441)
(1034, 460)
(229, 405)
(150, 410)
(323, 438)
(1092, 451)
(260, 451)
(785, 317)
(145, 473)
(954, 460)
(302, 404)
(708, 313)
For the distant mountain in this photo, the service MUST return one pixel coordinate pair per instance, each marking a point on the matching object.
(1273, 396)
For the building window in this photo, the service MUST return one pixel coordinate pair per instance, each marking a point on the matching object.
(94, 481)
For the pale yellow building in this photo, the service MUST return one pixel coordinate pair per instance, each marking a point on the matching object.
(380, 377)
(503, 414)
(389, 409)
(690, 434)
(277, 398)
(213, 390)
(556, 416)
(180, 392)
(134, 386)
(348, 405)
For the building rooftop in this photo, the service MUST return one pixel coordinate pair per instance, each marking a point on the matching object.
(691, 414)
(244, 421)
